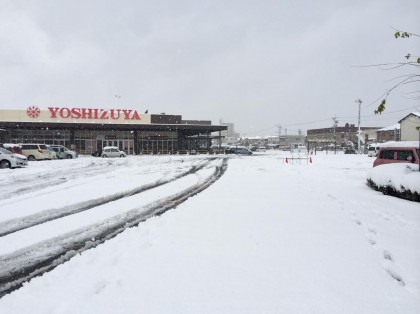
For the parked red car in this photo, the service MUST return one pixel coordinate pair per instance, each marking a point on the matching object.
(389, 155)
(14, 148)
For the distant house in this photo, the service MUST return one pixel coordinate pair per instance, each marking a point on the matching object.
(389, 133)
(273, 141)
(409, 127)
(342, 135)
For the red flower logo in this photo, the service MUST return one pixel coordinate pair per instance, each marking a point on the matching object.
(33, 111)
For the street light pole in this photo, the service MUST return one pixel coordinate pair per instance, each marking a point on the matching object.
(358, 123)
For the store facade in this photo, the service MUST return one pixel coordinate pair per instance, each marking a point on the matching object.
(88, 130)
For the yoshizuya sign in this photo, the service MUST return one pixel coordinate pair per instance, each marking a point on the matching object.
(75, 115)
(95, 114)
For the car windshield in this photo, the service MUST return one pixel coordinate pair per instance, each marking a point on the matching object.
(5, 151)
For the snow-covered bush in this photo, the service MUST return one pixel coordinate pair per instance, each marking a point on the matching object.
(399, 179)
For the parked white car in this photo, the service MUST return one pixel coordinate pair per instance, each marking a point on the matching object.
(112, 151)
(51, 152)
(63, 152)
(373, 151)
(11, 160)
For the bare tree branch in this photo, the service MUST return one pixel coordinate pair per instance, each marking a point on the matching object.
(407, 79)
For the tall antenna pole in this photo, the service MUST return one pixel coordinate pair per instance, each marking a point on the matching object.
(358, 123)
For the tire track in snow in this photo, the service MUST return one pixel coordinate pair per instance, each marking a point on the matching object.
(21, 223)
(26, 264)
(21, 186)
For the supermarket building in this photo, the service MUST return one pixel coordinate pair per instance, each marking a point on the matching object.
(89, 129)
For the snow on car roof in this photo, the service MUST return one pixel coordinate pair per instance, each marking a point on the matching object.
(398, 144)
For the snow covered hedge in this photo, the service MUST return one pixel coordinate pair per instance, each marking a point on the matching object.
(401, 180)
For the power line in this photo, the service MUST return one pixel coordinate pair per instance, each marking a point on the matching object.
(382, 114)
(308, 122)
(327, 119)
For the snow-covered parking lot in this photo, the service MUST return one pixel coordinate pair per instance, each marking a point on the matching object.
(263, 237)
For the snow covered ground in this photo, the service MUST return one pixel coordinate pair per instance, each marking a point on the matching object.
(267, 237)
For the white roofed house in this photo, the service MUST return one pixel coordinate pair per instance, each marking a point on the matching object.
(389, 133)
(410, 127)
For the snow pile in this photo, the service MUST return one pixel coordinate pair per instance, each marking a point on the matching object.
(401, 179)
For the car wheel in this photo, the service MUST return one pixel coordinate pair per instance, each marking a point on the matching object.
(69, 156)
(5, 164)
(104, 156)
(31, 158)
(122, 155)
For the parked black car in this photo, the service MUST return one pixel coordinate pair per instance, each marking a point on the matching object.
(229, 150)
(97, 153)
(242, 151)
(350, 150)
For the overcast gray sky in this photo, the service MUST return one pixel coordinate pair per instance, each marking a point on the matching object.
(257, 64)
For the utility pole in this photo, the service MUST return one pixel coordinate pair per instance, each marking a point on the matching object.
(335, 136)
(279, 126)
(285, 134)
(359, 101)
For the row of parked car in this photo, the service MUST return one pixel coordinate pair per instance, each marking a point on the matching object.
(16, 155)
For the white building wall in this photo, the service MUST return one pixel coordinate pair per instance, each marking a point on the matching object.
(370, 134)
(230, 137)
(408, 128)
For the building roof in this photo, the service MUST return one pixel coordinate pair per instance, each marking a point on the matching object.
(416, 114)
(188, 129)
(390, 128)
